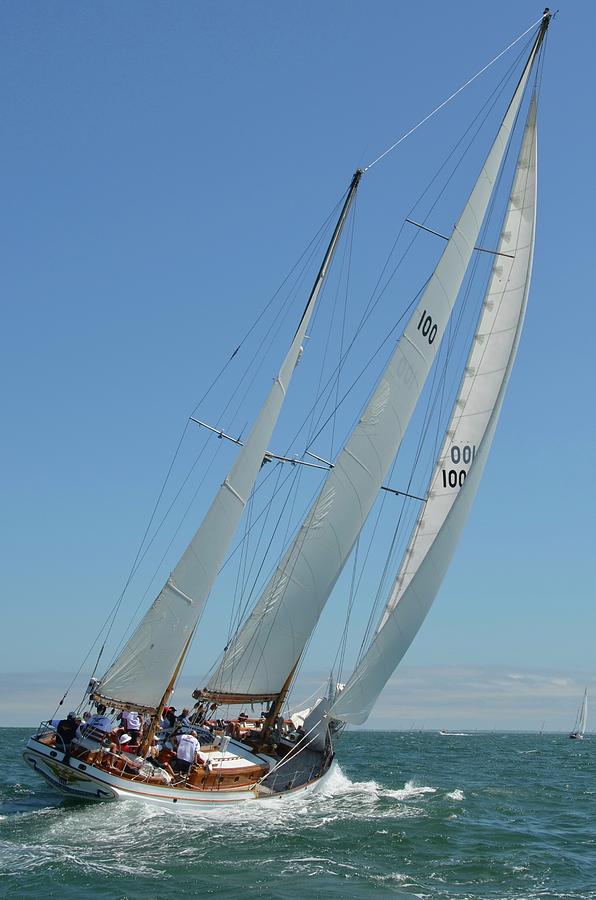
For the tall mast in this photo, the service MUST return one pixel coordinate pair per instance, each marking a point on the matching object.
(152, 655)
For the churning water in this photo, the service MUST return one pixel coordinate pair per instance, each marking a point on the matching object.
(408, 815)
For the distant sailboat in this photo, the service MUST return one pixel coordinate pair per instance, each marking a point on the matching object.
(581, 721)
(263, 756)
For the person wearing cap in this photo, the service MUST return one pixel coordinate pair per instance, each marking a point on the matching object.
(125, 742)
(113, 756)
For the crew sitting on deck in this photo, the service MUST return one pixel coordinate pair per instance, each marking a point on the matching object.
(113, 756)
(168, 721)
(127, 743)
(161, 756)
(98, 725)
(183, 721)
(83, 723)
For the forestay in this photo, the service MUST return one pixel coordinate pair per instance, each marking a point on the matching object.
(144, 668)
(466, 446)
(258, 659)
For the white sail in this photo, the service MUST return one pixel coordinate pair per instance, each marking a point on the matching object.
(583, 716)
(258, 659)
(466, 446)
(142, 671)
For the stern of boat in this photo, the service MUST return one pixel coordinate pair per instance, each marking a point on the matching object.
(74, 779)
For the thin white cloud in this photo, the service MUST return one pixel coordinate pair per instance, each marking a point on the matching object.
(431, 697)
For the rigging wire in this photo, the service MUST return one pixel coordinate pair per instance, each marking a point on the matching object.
(259, 353)
(373, 302)
(452, 96)
(296, 481)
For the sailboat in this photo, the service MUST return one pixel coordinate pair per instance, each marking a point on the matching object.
(273, 756)
(581, 721)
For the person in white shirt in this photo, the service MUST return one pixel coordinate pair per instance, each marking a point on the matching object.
(131, 722)
(187, 752)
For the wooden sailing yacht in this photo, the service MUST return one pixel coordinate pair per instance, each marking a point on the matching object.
(273, 758)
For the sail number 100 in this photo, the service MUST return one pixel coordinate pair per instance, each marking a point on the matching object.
(451, 477)
(427, 327)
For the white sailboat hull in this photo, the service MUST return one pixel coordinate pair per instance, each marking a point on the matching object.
(87, 782)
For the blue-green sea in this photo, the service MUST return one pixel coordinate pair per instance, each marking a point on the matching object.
(410, 815)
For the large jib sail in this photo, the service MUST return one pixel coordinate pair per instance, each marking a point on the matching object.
(143, 670)
(465, 448)
(256, 663)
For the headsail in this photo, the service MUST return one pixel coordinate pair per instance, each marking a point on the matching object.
(256, 662)
(143, 669)
(466, 446)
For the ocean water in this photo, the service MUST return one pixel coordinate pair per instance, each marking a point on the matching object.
(409, 815)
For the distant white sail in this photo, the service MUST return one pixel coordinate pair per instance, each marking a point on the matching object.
(582, 718)
(258, 659)
(584, 714)
(466, 446)
(142, 671)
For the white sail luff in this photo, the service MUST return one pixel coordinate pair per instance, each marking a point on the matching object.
(584, 720)
(142, 670)
(272, 639)
(472, 425)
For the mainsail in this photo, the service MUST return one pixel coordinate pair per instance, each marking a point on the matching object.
(142, 671)
(256, 663)
(465, 448)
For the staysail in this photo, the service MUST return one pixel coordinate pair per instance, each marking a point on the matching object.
(256, 663)
(143, 669)
(465, 448)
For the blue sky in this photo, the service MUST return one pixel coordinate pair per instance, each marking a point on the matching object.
(164, 166)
